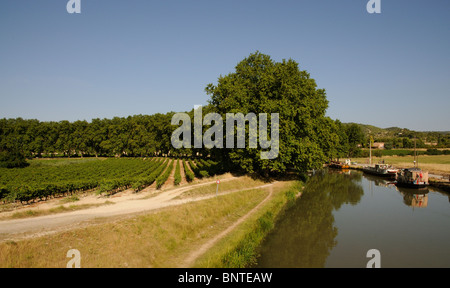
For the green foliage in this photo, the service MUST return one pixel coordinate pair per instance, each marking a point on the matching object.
(213, 167)
(177, 175)
(401, 152)
(148, 179)
(195, 169)
(188, 173)
(131, 136)
(437, 152)
(378, 153)
(3, 192)
(163, 177)
(47, 179)
(13, 159)
(202, 169)
(261, 85)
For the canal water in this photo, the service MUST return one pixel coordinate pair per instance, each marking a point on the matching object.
(342, 215)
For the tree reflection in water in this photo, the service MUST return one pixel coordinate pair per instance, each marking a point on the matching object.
(305, 235)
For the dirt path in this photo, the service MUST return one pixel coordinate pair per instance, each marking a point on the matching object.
(189, 261)
(182, 173)
(38, 226)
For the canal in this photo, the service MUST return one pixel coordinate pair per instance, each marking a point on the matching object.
(342, 215)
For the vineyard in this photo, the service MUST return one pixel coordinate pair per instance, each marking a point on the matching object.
(45, 179)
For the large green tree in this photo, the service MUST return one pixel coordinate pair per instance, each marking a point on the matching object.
(261, 85)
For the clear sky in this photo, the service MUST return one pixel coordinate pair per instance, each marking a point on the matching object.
(128, 57)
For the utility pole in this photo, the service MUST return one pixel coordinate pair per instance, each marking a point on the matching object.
(415, 154)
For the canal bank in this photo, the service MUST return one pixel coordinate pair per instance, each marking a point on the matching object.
(240, 248)
(443, 185)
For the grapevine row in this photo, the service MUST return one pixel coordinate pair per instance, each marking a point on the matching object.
(33, 183)
(188, 173)
(43, 181)
(148, 180)
(177, 175)
(163, 177)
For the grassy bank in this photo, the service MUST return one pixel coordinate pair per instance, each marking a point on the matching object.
(160, 239)
(239, 249)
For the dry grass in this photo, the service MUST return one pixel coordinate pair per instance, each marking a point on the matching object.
(244, 182)
(159, 239)
(56, 210)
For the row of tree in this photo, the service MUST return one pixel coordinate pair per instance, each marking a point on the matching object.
(133, 136)
(259, 85)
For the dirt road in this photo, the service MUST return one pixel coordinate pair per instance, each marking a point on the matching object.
(38, 226)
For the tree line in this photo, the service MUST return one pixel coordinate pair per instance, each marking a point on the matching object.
(139, 135)
(259, 85)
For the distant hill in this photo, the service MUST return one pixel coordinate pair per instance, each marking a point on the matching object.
(391, 131)
(395, 134)
(382, 132)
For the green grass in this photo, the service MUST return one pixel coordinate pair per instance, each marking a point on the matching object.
(398, 152)
(62, 161)
(70, 199)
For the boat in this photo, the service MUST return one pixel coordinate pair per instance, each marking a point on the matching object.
(338, 165)
(382, 170)
(412, 178)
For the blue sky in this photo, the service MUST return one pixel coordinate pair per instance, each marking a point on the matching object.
(121, 58)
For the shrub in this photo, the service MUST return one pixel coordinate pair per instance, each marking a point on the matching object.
(13, 159)
(204, 174)
(3, 192)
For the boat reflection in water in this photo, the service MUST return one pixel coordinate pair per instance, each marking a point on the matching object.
(380, 181)
(413, 197)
